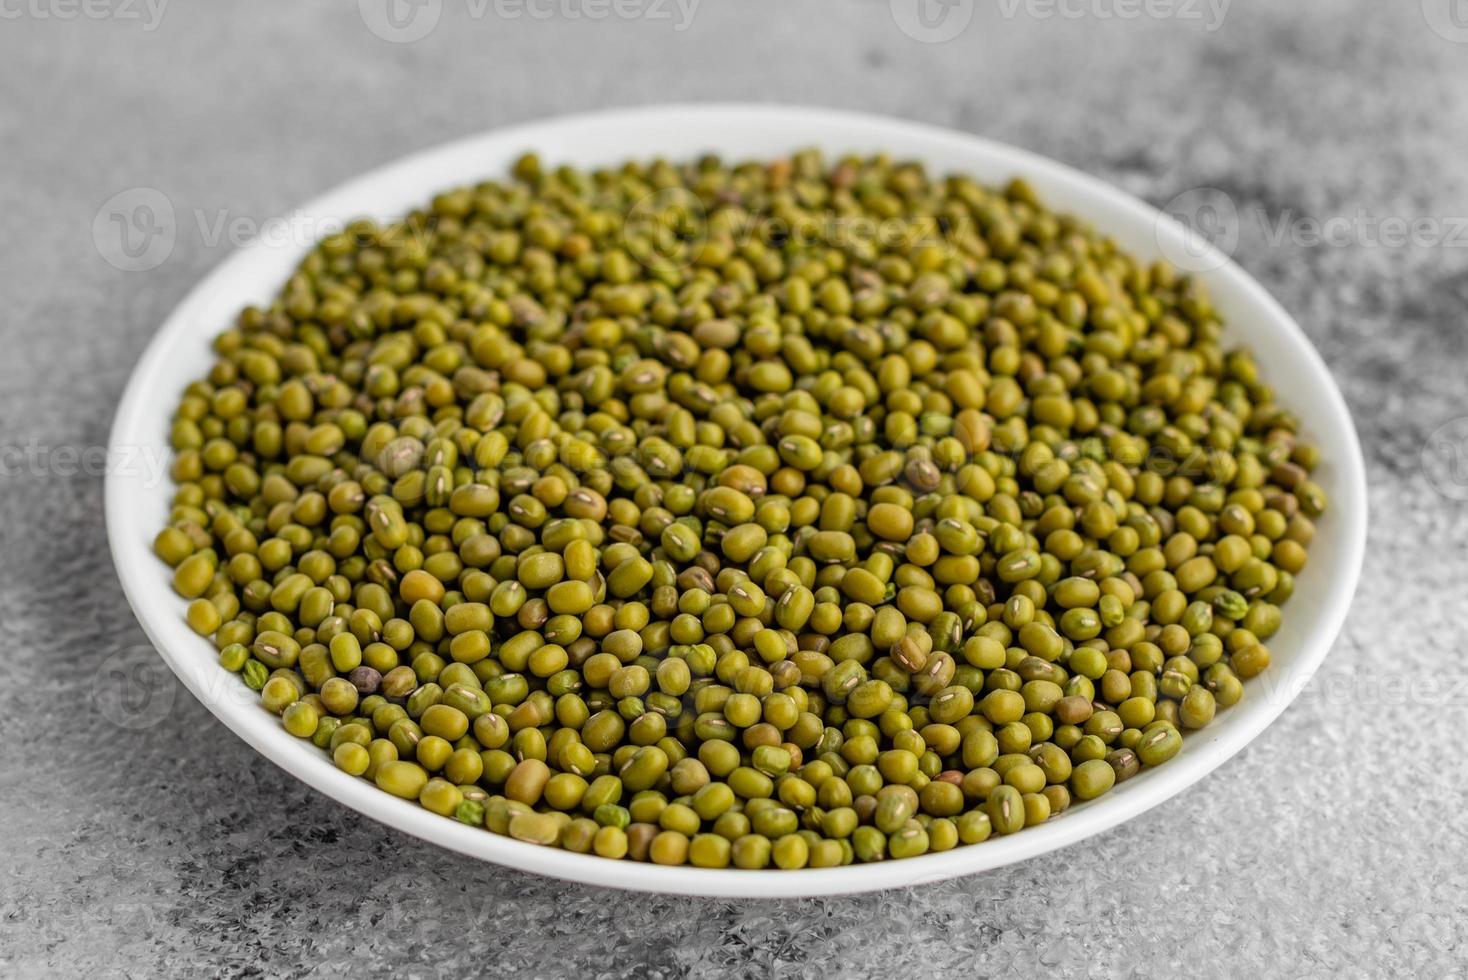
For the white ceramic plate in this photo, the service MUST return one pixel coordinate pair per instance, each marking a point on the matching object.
(137, 508)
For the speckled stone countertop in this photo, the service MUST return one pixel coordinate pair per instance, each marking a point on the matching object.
(1332, 846)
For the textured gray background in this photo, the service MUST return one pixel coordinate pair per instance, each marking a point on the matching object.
(1334, 843)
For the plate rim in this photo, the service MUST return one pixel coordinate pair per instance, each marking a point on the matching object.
(131, 555)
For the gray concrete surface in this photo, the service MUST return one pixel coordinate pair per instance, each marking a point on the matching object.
(1332, 846)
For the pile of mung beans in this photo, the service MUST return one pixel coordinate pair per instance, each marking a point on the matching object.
(781, 514)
